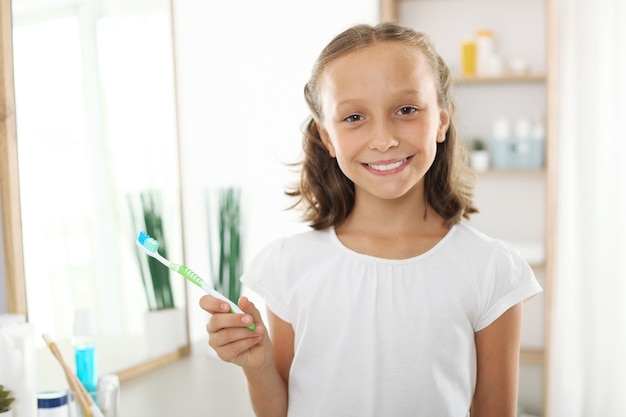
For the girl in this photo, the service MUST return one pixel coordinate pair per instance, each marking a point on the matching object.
(390, 305)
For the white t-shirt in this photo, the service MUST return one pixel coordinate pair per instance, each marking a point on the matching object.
(382, 337)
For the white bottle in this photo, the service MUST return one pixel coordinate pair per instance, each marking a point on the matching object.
(501, 144)
(485, 53)
(537, 144)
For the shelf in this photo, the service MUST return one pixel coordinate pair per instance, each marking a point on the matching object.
(531, 356)
(512, 172)
(536, 78)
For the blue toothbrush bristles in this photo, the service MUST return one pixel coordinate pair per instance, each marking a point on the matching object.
(147, 242)
(142, 237)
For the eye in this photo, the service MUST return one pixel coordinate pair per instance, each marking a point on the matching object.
(353, 118)
(406, 110)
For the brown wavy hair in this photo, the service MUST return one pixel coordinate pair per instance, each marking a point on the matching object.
(325, 194)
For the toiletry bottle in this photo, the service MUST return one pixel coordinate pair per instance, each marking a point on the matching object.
(84, 342)
(468, 57)
(485, 52)
(502, 147)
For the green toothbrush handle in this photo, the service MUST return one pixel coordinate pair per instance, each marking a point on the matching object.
(195, 278)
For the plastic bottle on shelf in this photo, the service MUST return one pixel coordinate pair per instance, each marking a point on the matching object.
(84, 342)
(501, 145)
(485, 52)
(537, 144)
(468, 57)
(522, 150)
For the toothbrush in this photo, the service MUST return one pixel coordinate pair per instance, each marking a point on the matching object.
(151, 246)
(87, 405)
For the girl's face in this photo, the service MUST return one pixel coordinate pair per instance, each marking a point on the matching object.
(381, 119)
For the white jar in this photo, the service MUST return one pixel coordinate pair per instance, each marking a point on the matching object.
(52, 404)
(523, 129)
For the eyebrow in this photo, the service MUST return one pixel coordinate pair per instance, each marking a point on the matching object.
(410, 92)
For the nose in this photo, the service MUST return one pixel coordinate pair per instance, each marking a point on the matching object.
(382, 137)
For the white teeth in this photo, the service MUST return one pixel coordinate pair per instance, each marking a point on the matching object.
(387, 167)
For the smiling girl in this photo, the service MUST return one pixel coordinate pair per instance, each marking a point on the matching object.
(391, 305)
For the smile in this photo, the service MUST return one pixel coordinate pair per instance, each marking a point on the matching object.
(387, 167)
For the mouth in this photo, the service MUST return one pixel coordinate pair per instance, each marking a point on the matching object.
(388, 167)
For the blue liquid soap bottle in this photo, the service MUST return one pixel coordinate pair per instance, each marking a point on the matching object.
(84, 342)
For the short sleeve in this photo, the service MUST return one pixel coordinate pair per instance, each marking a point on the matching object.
(265, 276)
(509, 280)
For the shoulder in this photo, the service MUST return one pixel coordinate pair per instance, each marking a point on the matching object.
(475, 244)
(501, 277)
(293, 248)
(494, 262)
(299, 242)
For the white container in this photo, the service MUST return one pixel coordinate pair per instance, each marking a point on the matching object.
(479, 160)
(522, 129)
(165, 331)
(109, 395)
(501, 144)
(485, 53)
(518, 67)
(17, 363)
(52, 404)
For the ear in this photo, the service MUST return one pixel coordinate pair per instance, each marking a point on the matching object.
(444, 124)
(326, 140)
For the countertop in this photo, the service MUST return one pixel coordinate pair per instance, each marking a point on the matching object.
(198, 385)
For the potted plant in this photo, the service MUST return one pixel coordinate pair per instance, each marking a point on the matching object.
(478, 155)
(6, 399)
(155, 276)
(164, 322)
(230, 262)
(224, 222)
(225, 230)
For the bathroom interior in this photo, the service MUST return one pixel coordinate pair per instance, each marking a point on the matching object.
(117, 110)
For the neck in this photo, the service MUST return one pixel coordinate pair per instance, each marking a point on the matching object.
(407, 215)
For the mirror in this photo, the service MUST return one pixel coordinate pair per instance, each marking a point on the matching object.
(96, 154)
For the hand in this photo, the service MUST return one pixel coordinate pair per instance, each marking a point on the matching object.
(230, 337)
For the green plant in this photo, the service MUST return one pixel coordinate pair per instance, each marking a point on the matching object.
(477, 144)
(6, 399)
(155, 276)
(230, 264)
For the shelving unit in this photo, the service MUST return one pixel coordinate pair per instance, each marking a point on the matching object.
(515, 204)
(507, 79)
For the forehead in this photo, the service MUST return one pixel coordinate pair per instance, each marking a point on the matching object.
(383, 65)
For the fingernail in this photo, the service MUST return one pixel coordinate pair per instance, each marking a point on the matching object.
(225, 307)
(246, 319)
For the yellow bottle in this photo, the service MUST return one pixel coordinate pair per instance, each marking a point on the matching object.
(468, 57)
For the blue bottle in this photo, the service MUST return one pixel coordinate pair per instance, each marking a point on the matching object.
(84, 342)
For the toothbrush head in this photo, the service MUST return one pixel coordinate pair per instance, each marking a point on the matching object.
(147, 242)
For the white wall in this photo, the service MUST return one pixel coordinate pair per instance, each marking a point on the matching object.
(242, 66)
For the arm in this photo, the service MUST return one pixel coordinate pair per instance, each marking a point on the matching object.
(252, 350)
(269, 388)
(497, 353)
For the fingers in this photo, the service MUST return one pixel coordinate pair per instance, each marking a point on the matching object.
(213, 305)
(229, 334)
(216, 306)
(248, 307)
(231, 348)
